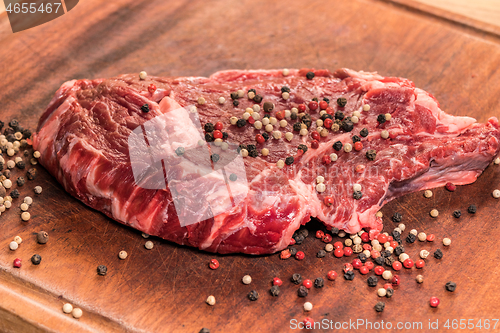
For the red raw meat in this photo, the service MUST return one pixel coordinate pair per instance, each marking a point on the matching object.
(84, 135)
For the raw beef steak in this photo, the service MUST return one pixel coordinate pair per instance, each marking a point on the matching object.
(371, 138)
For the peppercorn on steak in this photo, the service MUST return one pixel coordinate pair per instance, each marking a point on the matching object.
(308, 143)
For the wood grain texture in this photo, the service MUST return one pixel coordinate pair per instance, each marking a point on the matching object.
(163, 290)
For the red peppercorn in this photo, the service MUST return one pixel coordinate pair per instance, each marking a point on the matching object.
(347, 252)
(327, 238)
(300, 255)
(379, 270)
(367, 247)
(394, 244)
(338, 245)
(280, 115)
(301, 107)
(328, 123)
(431, 237)
(382, 238)
(277, 281)
(357, 264)
(347, 267)
(387, 286)
(151, 88)
(313, 105)
(320, 234)
(434, 302)
(259, 138)
(323, 105)
(365, 237)
(315, 135)
(292, 241)
(314, 144)
(17, 263)
(219, 126)
(396, 265)
(369, 265)
(419, 263)
(326, 159)
(328, 201)
(395, 280)
(308, 323)
(408, 263)
(358, 146)
(307, 283)
(332, 275)
(374, 254)
(450, 187)
(218, 134)
(364, 270)
(214, 264)
(338, 252)
(285, 254)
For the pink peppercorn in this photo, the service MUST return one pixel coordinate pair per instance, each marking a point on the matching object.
(292, 241)
(434, 302)
(357, 264)
(300, 255)
(369, 265)
(338, 245)
(431, 238)
(323, 105)
(347, 252)
(396, 265)
(313, 105)
(327, 238)
(367, 247)
(364, 270)
(365, 237)
(315, 135)
(307, 283)
(332, 275)
(320, 234)
(395, 280)
(17, 263)
(214, 264)
(151, 88)
(379, 270)
(347, 267)
(450, 187)
(277, 281)
(408, 263)
(314, 144)
(420, 263)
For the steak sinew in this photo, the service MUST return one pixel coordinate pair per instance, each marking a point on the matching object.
(83, 140)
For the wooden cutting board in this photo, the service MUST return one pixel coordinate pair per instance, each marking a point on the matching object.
(164, 289)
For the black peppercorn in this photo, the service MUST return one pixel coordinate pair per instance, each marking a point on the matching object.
(326, 116)
(379, 307)
(321, 254)
(11, 138)
(145, 108)
(251, 148)
(451, 286)
(204, 330)
(285, 89)
(236, 103)
(293, 115)
(257, 99)
(1, 166)
(397, 217)
(362, 257)
(268, 107)
(304, 232)
(337, 146)
(303, 148)
(372, 281)
(396, 234)
(36, 259)
(215, 158)
(275, 291)
(289, 160)
(472, 209)
(347, 125)
(389, 292)
(253, 153)
(14, 194)
(381, 118)
(334, 231)
(302, 291)
(26, 133)
(20, 181)
(42, 237)
(349, 275)
(389, 261)
(297, 127)
(357, 195)
(298, 239)
(341, 101)
(234, 95)
(364, 132)
(241, 122)
(371, 154)
(411, 238)
(379, 260)
(209, 137)
(240, 147)
(319, 282)
(310, 75)
(1, 125)
(253, 295)
(327, 100)
(296, 278)
(209, 127)
(8, 131)
(385, 254)
(233, 177)
(14, 124)
(457, 214)
(293, 250)
(102, 270)
(355, 139)
(315, 99)
(339, 115)
(180, 151)
(26, 153)
(307, 120)
(399, 250)
(224, 135)
(438, 254)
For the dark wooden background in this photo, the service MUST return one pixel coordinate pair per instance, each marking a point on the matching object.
(164, 290)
